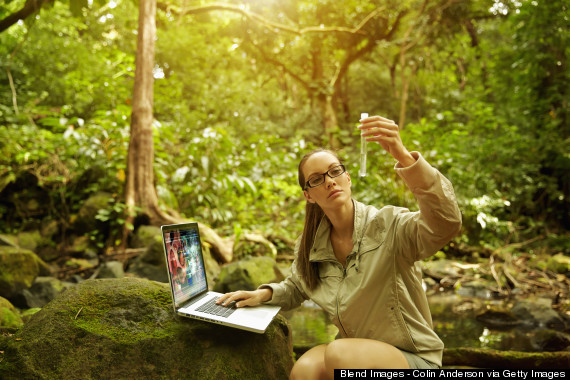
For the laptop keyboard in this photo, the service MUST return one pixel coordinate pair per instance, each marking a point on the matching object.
(210, 307)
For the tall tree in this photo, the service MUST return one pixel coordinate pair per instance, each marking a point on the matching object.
(140, 190)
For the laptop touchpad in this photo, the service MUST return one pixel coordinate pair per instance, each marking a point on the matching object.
(256, 313)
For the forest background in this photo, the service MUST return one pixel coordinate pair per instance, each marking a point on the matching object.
(242, 89)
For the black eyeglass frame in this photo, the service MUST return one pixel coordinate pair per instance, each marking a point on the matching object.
(307, 185)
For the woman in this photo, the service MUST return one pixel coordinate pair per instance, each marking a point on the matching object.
(359, 263)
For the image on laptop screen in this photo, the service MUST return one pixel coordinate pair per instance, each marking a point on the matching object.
(185, 263)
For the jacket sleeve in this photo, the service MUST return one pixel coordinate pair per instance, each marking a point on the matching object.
(289, 293)
(421, 234)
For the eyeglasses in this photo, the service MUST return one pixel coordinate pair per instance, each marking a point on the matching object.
(319, 179)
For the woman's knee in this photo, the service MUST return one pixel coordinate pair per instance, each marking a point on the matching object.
(337, 354)
(303, 369)
(309, 366)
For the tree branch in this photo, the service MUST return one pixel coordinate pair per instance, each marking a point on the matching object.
(370, 45)
(29, 8)
(274, 26)
(14, 94)
(277, 63)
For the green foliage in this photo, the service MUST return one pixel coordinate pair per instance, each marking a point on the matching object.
(487, 106)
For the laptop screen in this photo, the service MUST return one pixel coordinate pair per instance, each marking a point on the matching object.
(184, 261)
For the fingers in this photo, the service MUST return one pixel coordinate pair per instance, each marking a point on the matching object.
(227, 298)
(374, 131)
(383, 131)
(245, 297)
(252, 301)
(375, 118)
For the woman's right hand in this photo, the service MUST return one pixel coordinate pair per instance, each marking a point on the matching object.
(246, 298)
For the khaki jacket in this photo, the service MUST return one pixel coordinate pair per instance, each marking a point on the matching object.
(379, 294)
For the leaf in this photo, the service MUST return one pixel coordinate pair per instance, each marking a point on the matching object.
(250, 185)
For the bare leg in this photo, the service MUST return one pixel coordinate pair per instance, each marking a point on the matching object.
(311, 365)
(356, 353)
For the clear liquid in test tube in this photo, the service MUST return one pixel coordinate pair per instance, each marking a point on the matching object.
(362, 171)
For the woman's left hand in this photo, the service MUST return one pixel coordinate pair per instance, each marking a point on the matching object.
(387, 134)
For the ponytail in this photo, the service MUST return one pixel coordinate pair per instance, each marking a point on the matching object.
(313, 215)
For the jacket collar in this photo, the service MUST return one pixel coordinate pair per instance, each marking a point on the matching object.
(322, 247)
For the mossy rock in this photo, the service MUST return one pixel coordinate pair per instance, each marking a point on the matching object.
(311, 327)
(29, 239)
(126, 328)
(8, 240)
(495, 317)
(151, 264)
(86, 221)
(27, 314)
(247, 274)
(145, 236)
(539, 312)
(40, 245)
(559, 263)
(18, 270)
(9, 316)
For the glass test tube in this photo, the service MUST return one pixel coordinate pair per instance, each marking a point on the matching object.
(362, 171)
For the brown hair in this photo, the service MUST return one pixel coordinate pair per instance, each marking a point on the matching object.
(313, 214)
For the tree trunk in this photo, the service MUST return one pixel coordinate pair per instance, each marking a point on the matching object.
(140, 189)
(404, 95)
(330, 122)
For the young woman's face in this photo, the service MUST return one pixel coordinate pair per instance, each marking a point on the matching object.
(333, 191)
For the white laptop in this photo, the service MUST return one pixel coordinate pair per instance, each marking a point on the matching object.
(187, 276)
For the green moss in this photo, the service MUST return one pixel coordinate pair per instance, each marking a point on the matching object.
(18, 269)
(29, 240)
(9, 316)
(125, 328)
(559, 264)
(246, 274)
(27, 314)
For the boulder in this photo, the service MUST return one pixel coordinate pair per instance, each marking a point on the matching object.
(440, 269)
(151, 264)
(247, 274)
(27, 314)
(18, 270)
(539, 312)
(126, 328)
(86, 220)
(9, 316)
(559, 263)
(111, 269)
(30, 239)
(550, 340)
(79, 244)
(42, 291)
(475, 288)
(44, 247)
(145, 236)
(496, 317)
